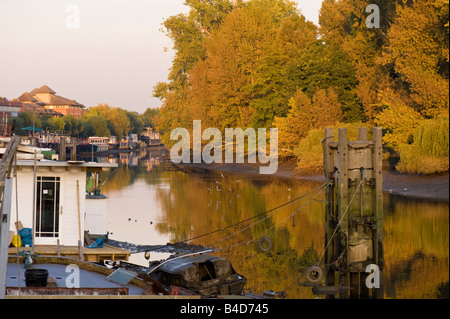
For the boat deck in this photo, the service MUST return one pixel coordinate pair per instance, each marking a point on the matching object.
(90, 281)
(107, 252)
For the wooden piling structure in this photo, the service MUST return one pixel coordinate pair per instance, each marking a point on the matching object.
(63, 145)
(354, 211)
(62, 149)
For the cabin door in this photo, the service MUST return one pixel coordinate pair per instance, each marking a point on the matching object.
(47, 209)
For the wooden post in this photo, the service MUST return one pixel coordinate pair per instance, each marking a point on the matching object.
(354, 210)
(58, 248)
(80, 250)
(328, 165)
(73, 153)
(342, 202)
(78, 208)
(62, 149)
(378, 205)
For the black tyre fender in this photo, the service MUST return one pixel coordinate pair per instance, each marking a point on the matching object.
(314, 274)
(265, 244)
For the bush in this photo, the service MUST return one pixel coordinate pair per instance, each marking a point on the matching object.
(310, 151)
(429, 151)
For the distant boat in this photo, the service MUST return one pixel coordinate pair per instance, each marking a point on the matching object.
(150, 137)
(128, 143)
(94, 145)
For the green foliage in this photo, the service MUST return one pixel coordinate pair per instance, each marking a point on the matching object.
(418, 49)
(25, 119)
(237, 76)
(136, 122)
(310, 152)
(259, 63)
(150, 116)
(55, 124)
(305, 114)
(99, 124)
(101, 120)
(325, 65)
(428, 153)
(398, 120)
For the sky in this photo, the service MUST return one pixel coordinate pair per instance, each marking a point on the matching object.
(92, 51)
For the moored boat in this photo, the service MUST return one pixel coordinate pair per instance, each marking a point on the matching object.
(206, 275)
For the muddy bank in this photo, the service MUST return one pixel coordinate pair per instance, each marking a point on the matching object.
(427, 187)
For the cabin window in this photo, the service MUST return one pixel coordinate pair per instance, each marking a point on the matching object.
(47, 206)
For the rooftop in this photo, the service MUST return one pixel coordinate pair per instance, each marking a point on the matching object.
(44, 89)
(31, 97)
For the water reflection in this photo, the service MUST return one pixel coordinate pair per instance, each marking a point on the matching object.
(416, 248)
(151, 202)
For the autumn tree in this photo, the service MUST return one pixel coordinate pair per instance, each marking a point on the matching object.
(344, 23)
(323, 65)
(418, 51)
(117, 119)
(99, 123)
(259, 63)
(149, 116)
(188, 33)
(324, 109)
(244, 80)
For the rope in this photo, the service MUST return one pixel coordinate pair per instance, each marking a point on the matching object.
(340, 221)
(111, 174)
(256, 216)
(274, 226)
(332, 236)
(213, 250)
(264, 232)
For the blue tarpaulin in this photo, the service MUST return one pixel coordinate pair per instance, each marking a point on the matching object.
(98, 244)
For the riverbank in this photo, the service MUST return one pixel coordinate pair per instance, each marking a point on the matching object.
(428, 187)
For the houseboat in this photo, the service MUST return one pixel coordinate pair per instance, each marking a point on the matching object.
(150, 137)
(56, 204)
(113, 142)
(201, 274)
(129, 142)
(100, 143)
(52, 203)
(57, 194)
(65, 277)
(93, 145)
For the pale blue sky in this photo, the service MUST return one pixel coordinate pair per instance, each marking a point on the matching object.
(116, 56)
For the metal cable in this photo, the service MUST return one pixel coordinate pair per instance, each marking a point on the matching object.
(256, 216)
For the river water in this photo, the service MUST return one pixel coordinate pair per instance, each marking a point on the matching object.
(152, 202)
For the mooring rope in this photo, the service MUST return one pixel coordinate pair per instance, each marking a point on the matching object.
(329, 241)
(340, 221)
(256, 216)
(267, 230)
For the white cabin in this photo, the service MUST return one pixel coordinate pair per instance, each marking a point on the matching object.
(61, 209)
